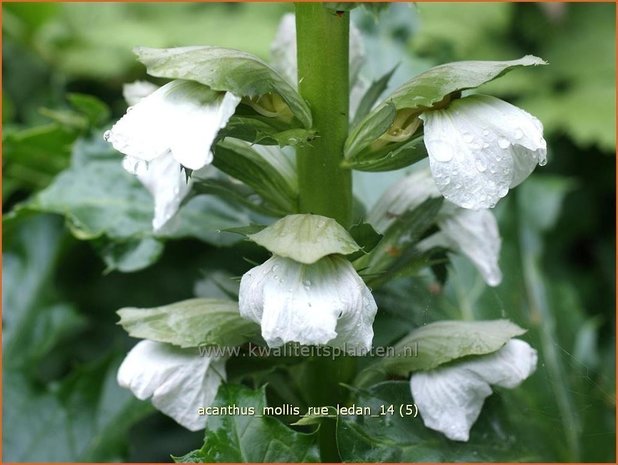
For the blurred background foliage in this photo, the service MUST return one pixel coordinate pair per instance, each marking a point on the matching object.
(63, 69)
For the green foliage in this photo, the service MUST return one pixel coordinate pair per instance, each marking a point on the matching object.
(269, 172)
(250, 438)
(83, 417)
(401, 437)
(190, 323)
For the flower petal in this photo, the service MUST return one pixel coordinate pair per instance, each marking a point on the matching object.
(165, 180)
(183, 117)
(479, 147)
(450, 399)
(180, 381)
(475, 234)
(405, 195)
(322, 303)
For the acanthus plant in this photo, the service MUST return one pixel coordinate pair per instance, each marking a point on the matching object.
(283, 130)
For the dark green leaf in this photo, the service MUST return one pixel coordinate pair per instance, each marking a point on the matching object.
(190, 323)
(250, 437)
(391, 157)
(267, 170)
(371, 96)
(224, 69)
(85, 419)
(404, 438)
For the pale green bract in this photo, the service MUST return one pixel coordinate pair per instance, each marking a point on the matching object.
(306, 238)
(190, 323)
(224, 69)
(437, 343)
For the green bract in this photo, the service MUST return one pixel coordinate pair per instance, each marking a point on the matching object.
(306, 238)
(190, 323)
(437, 343)
(224, 69)
(424, 91)
(267, 170)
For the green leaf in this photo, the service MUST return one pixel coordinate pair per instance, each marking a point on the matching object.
(250, 437)
(372, 95)
(86, 417)
(130, 256)
(268, 171)
(224, 69)
(102, 202)
(437, 343)
(190, 323)
(95, 111)
(306, 238)
(370, 128)
(396, 249)
(365, 236)
(404, 438)
(388, 158)
(427, 89)
(31, 310)
(263, 130)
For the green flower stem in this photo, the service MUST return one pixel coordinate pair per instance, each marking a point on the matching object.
(322, 38)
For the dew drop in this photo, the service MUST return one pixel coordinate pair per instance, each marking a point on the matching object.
(503, 143)
(503, 191)
(107, 135)
(485, 132)
(441, 150)
(467, 137)
(518, 133)
(129, 109)
(446, 181)
(307, 283)
(480, 164)
(543, 162)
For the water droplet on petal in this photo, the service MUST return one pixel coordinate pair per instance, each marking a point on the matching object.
(440, 150)
(503, 191)
(480, 164)
(543, 161)
(503, 143)
(129, 109)
(518, 133)
(446, 181)
(107, 135)
(485, 132)
(467, 137)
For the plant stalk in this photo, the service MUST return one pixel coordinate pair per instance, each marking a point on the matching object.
(322, 38)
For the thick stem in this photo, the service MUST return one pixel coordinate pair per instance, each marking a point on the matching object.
(322, 38)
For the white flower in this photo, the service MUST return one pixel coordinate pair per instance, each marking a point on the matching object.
(180, 381)
(479, 147)
(450, 399)
(165, 180)
(182, 117)
(474, 233)
(165, 129)
(325, 302)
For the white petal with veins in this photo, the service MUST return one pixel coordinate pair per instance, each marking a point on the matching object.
(479, 147)
(325, 303)
(182, 117)
(450, 399)
(165, 180)
(180, 381)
